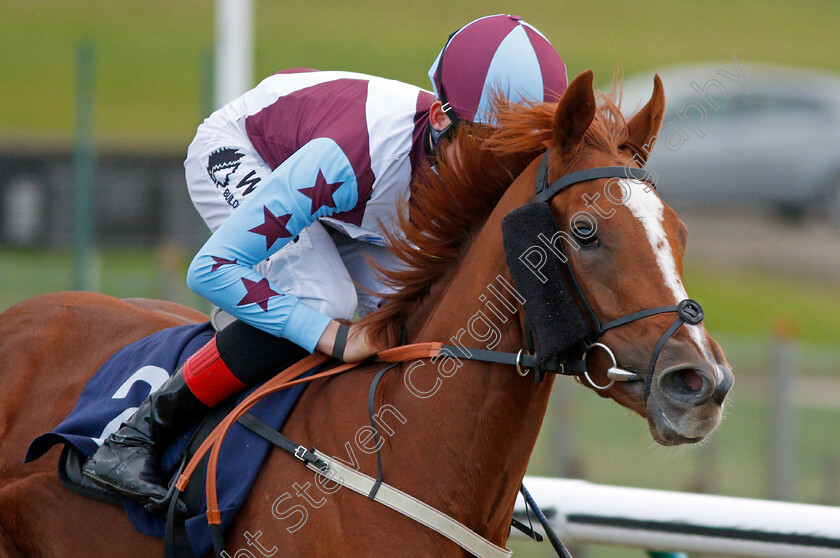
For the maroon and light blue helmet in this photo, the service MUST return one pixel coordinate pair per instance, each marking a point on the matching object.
(498, 54)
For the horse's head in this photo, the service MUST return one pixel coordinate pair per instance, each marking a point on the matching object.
(624, 248)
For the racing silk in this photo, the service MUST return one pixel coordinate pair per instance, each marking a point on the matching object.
(344, 148)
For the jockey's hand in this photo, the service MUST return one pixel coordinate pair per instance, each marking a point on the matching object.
(357, 348)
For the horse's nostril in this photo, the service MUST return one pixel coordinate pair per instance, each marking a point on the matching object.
(692, 379)
(684, 382)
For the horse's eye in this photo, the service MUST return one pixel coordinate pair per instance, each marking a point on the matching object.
(585, 234)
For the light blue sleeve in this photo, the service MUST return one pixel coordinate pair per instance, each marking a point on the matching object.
(316, 181)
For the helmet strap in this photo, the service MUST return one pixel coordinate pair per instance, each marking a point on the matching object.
(433, 137)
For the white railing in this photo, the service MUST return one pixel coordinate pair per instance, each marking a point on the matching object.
(582, 512)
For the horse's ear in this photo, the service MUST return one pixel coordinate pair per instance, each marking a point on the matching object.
(574, 113)
(645, 124)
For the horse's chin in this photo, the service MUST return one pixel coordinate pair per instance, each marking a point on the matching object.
(669, 424)
(691, 429)
(665, 435)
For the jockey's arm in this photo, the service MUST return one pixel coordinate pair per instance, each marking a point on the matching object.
(271, 217)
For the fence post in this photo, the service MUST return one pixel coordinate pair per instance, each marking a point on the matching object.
(782, 415)
(234, 72)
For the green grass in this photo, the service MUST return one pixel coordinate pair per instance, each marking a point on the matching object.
(123, 273)
(150, 53)
(743, 303)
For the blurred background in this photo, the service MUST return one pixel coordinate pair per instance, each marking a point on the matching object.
(749, 156)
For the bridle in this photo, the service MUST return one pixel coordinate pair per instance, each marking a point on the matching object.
(528, 358)
(687, 311)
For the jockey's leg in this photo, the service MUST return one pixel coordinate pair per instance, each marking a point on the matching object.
(127, 462)
(237, 357)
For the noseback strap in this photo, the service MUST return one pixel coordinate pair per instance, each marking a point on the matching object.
(639, 315)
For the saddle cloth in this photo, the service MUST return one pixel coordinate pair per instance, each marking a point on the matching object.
(116, 390)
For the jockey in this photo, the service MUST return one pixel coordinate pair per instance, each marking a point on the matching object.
(299, 179)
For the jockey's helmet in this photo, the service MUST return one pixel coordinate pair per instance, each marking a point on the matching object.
(495, 55)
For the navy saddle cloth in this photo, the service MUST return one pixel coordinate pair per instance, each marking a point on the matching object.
(124, 381)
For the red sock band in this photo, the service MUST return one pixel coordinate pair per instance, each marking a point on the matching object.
(208, 377)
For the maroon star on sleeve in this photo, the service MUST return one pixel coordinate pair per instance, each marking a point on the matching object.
(258, 292)
(220, 262)
(273, 228)
(322, 193)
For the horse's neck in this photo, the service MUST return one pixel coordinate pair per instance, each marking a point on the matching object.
(491, 414)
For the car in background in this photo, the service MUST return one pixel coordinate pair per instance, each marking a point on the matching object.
(746, 135)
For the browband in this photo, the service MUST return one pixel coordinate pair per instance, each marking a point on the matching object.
(546, 192)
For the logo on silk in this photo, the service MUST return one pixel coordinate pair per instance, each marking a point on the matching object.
(222, 163)
(322, 193)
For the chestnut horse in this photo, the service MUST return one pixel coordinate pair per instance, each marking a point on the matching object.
(456, 434)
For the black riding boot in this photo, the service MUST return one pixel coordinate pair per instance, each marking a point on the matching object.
(127, 462)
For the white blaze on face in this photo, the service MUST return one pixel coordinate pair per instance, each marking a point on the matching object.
(646, 206)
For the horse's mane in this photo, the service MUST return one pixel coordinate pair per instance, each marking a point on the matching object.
(449, 204)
